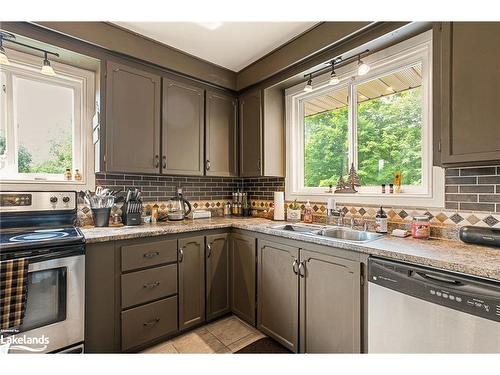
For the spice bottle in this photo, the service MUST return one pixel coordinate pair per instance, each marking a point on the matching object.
(67, 175)
(78, 175)
(308, 213)
(227, 209)
(381, 221)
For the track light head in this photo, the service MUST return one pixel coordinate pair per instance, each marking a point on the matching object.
(308, 87)
(333, 76)
(46, 68)
(363, 68)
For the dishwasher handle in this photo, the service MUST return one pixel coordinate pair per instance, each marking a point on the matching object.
(439, 279)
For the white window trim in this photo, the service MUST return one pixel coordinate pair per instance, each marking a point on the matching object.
(431, 193)
(81, 81)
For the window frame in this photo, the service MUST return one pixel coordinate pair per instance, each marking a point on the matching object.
(83, 84)
(407, 53)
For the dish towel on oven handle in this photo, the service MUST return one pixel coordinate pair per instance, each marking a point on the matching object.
(13, 292)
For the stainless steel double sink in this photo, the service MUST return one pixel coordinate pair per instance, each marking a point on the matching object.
(334, 232)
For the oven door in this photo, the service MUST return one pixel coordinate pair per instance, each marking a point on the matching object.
(54, 316)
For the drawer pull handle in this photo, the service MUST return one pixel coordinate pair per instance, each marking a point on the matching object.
(209, 247)
(151, 322)
(151, 254)
(151, 285)
(181, 255)
(302, 267)
(294, 266)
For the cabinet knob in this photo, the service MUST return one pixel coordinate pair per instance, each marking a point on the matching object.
(157, 161)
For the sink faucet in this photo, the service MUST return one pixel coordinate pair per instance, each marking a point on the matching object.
(336, 215)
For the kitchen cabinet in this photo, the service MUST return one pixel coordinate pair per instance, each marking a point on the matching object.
(466, 92)
(191, 259)
(182, 128)
(132, 119)
(251, 134)
(278, 292)
(243, 276)
(221, 135)
(217, 271)
(330, 297)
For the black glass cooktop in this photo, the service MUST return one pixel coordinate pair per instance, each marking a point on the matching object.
(33, 237)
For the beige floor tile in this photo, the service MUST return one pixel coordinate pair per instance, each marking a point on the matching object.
(247, 340)
(163, 348)
(198, 341)
(230, 330)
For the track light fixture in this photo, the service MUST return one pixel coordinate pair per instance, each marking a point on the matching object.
(8, 37)
(333, 76)
(363, 68)
(309, 86)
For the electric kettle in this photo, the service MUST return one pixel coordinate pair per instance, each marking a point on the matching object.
(178, 207)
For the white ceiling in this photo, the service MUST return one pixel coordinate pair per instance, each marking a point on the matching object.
(233, 45)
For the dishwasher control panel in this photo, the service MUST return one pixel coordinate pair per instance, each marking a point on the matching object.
(472, 296)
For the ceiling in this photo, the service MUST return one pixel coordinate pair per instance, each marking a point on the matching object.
(232, 45)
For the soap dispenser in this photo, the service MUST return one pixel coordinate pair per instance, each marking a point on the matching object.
(308, 213)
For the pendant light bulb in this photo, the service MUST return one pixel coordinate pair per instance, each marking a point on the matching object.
(3, 56)
(333, 76)
(46, 68)
(362, 67)
(309, 87)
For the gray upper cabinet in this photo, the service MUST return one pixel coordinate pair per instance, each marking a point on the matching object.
(278, 292)
(191, 281)
(182, 127)
(132, 120)
(217, 271)
(466, 92)
(221, 135)
(242, 275)
(330, 312)
(251, 134)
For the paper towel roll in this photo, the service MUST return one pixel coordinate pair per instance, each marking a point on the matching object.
(279, 205)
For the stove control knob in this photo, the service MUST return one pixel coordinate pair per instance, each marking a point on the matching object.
(65, 199)
(53, 200)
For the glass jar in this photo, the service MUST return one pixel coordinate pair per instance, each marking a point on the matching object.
(421, 227)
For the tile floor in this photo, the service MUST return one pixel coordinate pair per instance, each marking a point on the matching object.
(227, 335)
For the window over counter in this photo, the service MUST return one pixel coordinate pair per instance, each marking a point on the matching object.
(380, 122)
(45, 124)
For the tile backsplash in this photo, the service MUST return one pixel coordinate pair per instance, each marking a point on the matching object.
(473, 189)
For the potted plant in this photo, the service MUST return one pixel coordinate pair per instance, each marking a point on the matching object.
(293, 211)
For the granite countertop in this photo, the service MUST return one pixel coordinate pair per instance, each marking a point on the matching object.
(449, 255)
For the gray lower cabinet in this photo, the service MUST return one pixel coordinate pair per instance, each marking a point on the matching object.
(243, 276)
(191, 259)
(132, 120)
(278, 292)
(221, 135)
(330, 297)
(182, 128)
(217, 271)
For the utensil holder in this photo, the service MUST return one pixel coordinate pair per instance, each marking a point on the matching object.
(101, 216)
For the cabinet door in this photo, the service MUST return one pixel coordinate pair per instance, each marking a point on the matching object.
(242, 274)
(278, 293)
(330, 298)
(102, 301)
(221, 135)
(191, 281)
(182, 125)
(250, 134)
(468, 109)
(217, 271)
(132, 120)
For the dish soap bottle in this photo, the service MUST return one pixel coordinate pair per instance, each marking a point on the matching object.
(381, 221)
(308, 213)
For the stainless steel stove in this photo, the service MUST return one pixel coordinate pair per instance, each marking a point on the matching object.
(40, 227)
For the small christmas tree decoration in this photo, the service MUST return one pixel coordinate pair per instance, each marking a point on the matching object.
(353, 177)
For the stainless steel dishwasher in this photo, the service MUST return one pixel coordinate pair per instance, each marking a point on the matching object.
(413, 309)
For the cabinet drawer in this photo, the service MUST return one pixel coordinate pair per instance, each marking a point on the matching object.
(148, 285)
(148, 322)
(148, 254)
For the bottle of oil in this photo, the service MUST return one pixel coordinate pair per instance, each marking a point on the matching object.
(381, 221)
